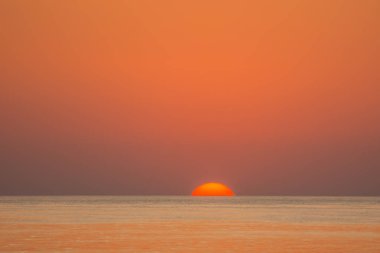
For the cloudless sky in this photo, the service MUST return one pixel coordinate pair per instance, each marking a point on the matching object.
(157, 97)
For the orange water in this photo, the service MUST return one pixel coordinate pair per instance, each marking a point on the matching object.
(188, 224)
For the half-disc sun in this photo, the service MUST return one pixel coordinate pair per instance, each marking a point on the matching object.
(212, 189)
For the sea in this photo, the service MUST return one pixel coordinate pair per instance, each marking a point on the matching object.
(264, 224)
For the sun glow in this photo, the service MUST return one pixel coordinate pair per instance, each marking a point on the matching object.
(212, 189)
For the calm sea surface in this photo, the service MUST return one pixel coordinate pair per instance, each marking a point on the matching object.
(189, 224)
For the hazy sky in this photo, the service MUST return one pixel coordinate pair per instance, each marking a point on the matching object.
(156, 97)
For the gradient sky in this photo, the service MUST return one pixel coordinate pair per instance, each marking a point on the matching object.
(157, 97)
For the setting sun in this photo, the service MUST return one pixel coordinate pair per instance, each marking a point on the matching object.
(212, 189)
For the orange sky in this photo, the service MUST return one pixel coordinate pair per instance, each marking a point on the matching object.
(144, 97)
